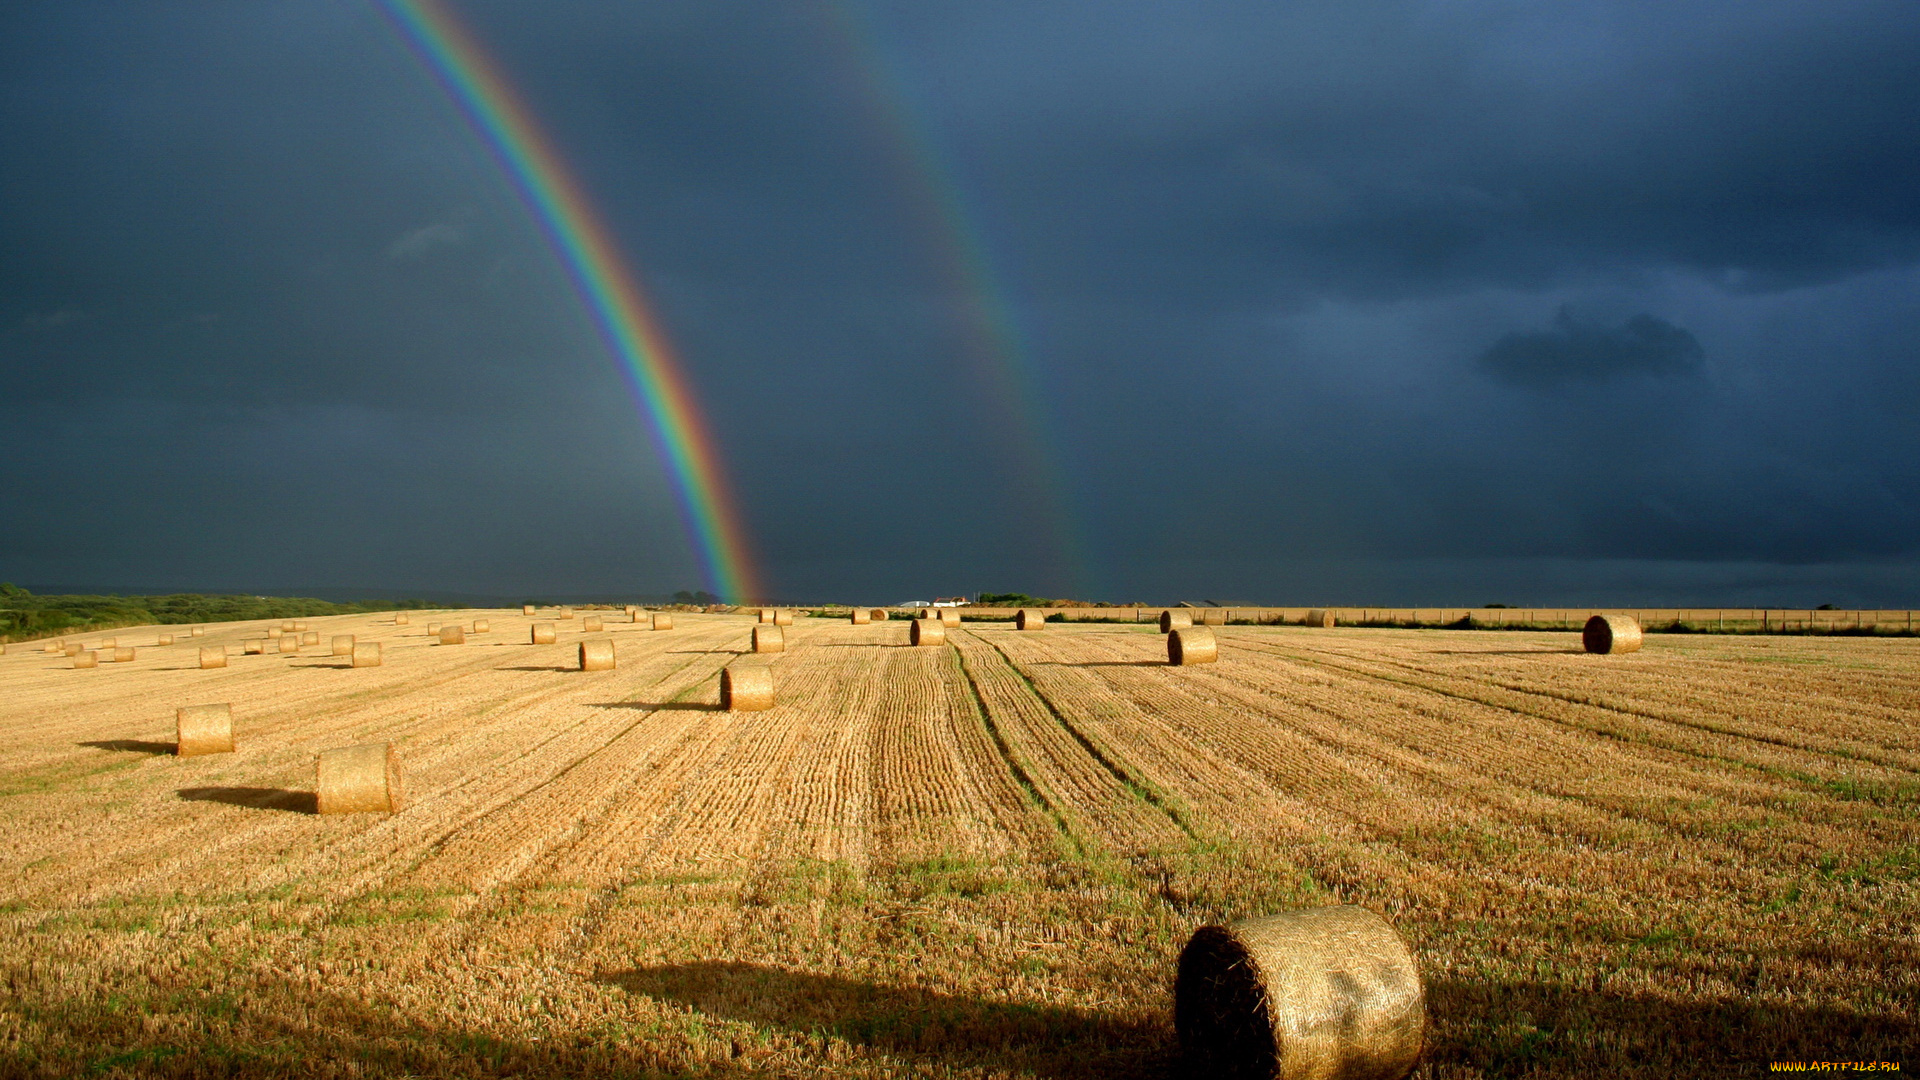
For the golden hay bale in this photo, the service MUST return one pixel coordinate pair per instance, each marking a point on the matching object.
(310, 637)
(543, 633)
(482, 626)
(123, 655)
(950, 616)
(254, 647)
(924, 613)
(366, 654)
(433, 629)
(1319, 994)
(769, 638)
(526, 609)
(401, 619)
(591, 624)
(1192, 645)
(87, 658)
(203, 729)
(879, 614)
(1029, 618)
(289, 643)
(1213, 617)
(197, 631)
(927, 632)
(861, 617)
(783, 617)
(164, 639)
(299, 625)
(54, 646)
(107, 643)
(1319, 617)
(663, 620)
(566, 613)
(212, 656)
(746, 687)
(766, 615)
(596, 655)
(632, 611)
(1611, 634)
(288, 627)
(358, 779)
(342, 644)
(453, 634)
(1171, 620)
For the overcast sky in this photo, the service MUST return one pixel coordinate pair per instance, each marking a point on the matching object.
(1350, 302)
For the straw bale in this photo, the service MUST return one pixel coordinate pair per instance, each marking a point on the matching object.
(769, 638)
(87, 658)
(108, 643)
(482, 626)
(254, 647)
(358, 779)
(950, 616)
(164, 639)
(288, 627)
(928, 632)
(543, 633)
(526, 609)
(367, 654)
(299, 625)
(401, 619)
(310, 637)
(879, 614)
(433, 629)
(73, 650)
(596, 655)
(203, 729)
(663, 620)
(1029, 618)
(566, 613)
(746, 687)
(924, 613)
(1611, 634)
(1171, 620)
(783, 617)
(342, 644)
(1213, 617)
(54, 646)
(1319, 617)
(591, 624)
(453, 634)
(123, 654)
(766, 615)
(633, 611)
(197, 631)
(289, 643)
(1192, 645)
(212, 656)
(860, 617)
(1326, 993)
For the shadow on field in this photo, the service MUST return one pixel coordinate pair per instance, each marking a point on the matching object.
(255, 798)
(1101, 663)
(133, 746)
(659, 706)
(1507, 652)
(1038, 1040)
(536, 667)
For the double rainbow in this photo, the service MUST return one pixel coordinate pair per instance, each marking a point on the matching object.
(605, 284)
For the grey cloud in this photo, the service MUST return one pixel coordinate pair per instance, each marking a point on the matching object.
(1576, 351)
(418, 243)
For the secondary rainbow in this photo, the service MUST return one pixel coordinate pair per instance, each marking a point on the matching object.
(600, 276)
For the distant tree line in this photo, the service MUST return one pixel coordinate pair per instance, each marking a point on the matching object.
(24, 615)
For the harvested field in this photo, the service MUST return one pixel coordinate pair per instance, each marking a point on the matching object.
(979, 859)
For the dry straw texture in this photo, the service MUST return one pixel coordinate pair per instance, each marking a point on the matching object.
(341, 645)
(203, 729)
(367, 654)
(212, 656)
(74, 650)
(1171, 620)
(543, 633)
(1029, 619)
(746, 687)
(289, 643)
(453, 635)
(164, 639)
(879, 614)
(54, 646)
(766, 615)
(358, 779)
(310, 637)
(254, 647)
(860, 616)
(1213, 617)
(928, 632)
(949, 616)
(88, 658)
(1611, 634)
(108, 643)
(299, 625)
(1192, 645)
(433, 629)
(769, 638)
(526, 609)
(123, 655)
(596, 655)
(482, 626)
(401, 619)
(288, 627)
(197, 631)
(1323, 994)
(783, 617)
(591, 624)
(566, 613)
(1320, 617)
(662, 620)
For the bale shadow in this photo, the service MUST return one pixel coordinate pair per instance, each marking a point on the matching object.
(1027, 1039)
(1101, 663)
(1508, 652)
(536, 667)
(659, 706)
(255, 798)
(133, 746)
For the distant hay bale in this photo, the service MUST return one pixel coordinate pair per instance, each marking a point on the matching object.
(1319, 617)
(197, 631)
(212, 656)
(288, 627)
(663, 620)
(401, 619)
(203, 729)
(928, 632)
(482, 626)
(566, 613)
(289, 643)
(633, 610)
(453, 634)
(164, 639)
(1213, 617)
(924, 613)
(1171, 620)
(596, 655)
(783, 617)
(54, 646)
(299, 625)
(123, 654)
(433, 629)
(107, 643)
(766, 615)
(342, 644)
(358, 780)
(1323, 993)
(746, 687)
(1611, 634)
(254, 647)
(591, 624)
(950, 616)
(1029, 618)
(367, 654)
(769, 638)
(87, 658)
(310, 637)
(860, 617)
(526, 609)
(1192, 645)
(879, 614)
(543, 633)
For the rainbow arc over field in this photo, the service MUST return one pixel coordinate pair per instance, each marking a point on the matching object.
(600, 276)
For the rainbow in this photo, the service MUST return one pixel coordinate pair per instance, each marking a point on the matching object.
(601, 278)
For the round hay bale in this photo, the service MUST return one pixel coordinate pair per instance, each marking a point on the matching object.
(928, 632)
(342, 644)
(367, 654)
(254, 647)
(879, 614)
(596, 655)
(358, 780)
(212, 656)
(746, 687)
(197, 631)
(203, 729)
(164, 639)
(1192, 645)
(54, 646)
(401, 619)
(950, 616)
(433, 629)
(924, 613)
(663, 620)
(289, 627)
(74, 650)
(87, 658)
(123, 654)
(1319, 617)
(482, 626)
(526, 609)
(453, 634)
(107, 643)
(769, 638)
(766, 615)
(310, 637)
(632, 610)
(566, 613)
(860, 617)
(1611, 634)
(300, 625)
(1319, 994)
(543, 633)
(591, 624)
(1029, 618)
(1171, 620)
(289, 643)
(783, 617)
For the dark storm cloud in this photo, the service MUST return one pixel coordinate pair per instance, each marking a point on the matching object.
(1576, 351)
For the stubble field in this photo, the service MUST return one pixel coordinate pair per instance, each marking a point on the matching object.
(979, 859)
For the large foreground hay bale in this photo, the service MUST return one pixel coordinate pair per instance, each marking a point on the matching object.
(123, 654)
(342, 644)
(212, 656)
(927, 632)
(86, 658)
(663, 620)
(526, 609)
(1192, 645)
(1324, 994)
(203, 729)
(310, 637)
(1611, 634)
(746, 687)
(482, 626)
(400, 619)
(1319, 617)
(783, 617)
(879, 614)
(769, 638)
(453, 634)
(358, 779)
(590, 624)
(289, 643)
(367, 654)
(1171, 620)
(543, 633)
(596, 655)
(860, 616)
(1029, 618)
(766, 615)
